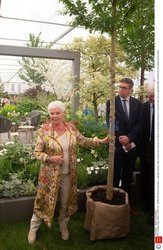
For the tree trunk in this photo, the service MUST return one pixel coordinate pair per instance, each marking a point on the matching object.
(142, 76)
(95, 106)
(112, 106)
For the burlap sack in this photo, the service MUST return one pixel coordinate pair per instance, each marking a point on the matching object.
(106, 221)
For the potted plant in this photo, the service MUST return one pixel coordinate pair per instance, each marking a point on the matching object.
(108, 211)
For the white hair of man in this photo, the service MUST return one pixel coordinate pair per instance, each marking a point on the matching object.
(56, 104)
(151, 88)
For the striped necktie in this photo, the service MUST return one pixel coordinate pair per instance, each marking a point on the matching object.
(125, 107)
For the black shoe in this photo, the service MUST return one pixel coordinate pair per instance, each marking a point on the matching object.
(150, 220)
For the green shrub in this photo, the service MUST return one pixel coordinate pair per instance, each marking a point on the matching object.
(11, 112)
(8, 108)
(82, 177)
(31, 171)
(5, 169)
(26, 105)
(16, 187)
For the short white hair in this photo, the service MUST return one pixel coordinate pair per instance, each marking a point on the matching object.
(151, 88)
(56, 104)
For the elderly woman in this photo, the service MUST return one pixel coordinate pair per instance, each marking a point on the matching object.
(56, 148)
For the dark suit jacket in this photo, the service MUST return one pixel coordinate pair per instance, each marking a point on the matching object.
(130, 127)
(146, 125)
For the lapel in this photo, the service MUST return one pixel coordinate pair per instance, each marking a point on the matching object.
(148, 112)
(148, 117)
(131, 109)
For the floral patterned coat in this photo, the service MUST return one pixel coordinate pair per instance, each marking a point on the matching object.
(48, 144)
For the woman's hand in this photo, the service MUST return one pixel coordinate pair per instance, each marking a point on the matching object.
(104, 140)
(58, 159)
(96, 141)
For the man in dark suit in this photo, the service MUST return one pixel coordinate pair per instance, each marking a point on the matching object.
(147, 155)
(128, 115)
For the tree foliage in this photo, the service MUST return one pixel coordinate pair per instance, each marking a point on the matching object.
(94, 68)
(132, 22)
(41, 72)
(97, 15)
(31, 71)
(137, 37)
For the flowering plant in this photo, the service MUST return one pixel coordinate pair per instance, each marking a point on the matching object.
(16, 186)
(14, 157)
(13, 116)
(96, 174)
(18, 169)
(17, 153)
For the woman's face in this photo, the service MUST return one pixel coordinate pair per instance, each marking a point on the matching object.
(57, 115)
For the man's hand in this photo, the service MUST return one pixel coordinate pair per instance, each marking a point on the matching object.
(128, 147)
(123, 139)
(58, 159)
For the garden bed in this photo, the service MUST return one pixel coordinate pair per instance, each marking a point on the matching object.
(20, 209)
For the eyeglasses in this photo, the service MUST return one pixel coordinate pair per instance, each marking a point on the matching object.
(57, 113)
(125, 88)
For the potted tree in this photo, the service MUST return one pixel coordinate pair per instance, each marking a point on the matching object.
(104, 221)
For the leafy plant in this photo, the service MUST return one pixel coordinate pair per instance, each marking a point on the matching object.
(11, 112)
(95, 174)
(27, 105)
(16, 155)
(16, 187)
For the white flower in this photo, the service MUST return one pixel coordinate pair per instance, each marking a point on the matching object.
(92, 151)
(9, 143)
(89, 172)
(21, 160)
(15, 134)
(3, 151)
(97, 168)
(96, 172)
(91, 168)
(78, 160)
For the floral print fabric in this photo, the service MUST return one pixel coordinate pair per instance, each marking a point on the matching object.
(48, 144)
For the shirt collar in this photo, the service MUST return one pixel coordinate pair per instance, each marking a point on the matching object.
(151, 105)
(127, 98)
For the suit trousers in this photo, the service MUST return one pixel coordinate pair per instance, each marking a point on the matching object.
(124, 164)
(63, 201)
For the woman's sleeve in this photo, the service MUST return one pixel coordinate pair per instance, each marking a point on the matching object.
(39, 150)
(85, 141)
